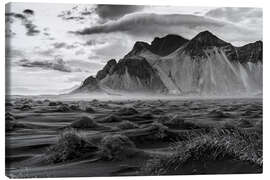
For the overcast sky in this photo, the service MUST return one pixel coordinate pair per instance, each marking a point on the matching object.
(54, 47)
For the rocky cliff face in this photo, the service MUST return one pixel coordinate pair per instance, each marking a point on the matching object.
(90, 84)
(251, 52)
(108, 69)
(159, 46)
(133, 75)
(204, 65)
(166, 45)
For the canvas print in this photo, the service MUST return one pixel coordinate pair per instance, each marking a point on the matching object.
(128, 90)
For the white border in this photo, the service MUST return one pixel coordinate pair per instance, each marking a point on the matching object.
(206, 3)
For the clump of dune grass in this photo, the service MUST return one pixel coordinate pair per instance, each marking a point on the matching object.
(86, 122)
(63, 108)
(70, 145)
(159, 131)
(25, 107)
(116, 147)
(89, 109)
(127, 125)
(9, 117)
(217, 145)
(75, 107)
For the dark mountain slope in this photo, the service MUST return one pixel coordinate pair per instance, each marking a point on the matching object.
(251, 52)
(159, 46)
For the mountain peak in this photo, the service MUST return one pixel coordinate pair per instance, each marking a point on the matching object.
(204, 40)
(165, 45)
(251, 52)
(161, 46)
(206, 33)
(169, 37)
(138, 47)
(106, 70)
(90, 84)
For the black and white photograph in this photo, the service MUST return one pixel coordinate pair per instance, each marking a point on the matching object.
(101, 90)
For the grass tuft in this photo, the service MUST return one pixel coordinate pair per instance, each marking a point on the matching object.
(70, 145)
(85, 122)
(217, 145)
(116, 147)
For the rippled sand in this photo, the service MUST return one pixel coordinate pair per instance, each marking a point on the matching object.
(153, 126)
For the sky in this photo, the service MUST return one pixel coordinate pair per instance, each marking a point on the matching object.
(52, 48)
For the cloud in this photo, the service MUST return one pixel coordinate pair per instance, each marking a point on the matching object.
(9, 32)
(79, 52)
(90, 42)
(235, 14)
(58, 65)
(94, 42)
(149, 23)
(77, 13)
(106, 11)
(60, 45)
(13, 53)
(28, 11)
(44, 52)
(31, 29)
(84, 66)
(101, 13)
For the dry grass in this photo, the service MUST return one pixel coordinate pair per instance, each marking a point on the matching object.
(218, 144)
(70, 145)
(116, 147)
(86, 122)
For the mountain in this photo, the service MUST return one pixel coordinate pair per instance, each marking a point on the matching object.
(204, 65)
(251, 52)
(133, 75)
(167, 44)
(159, 46)
(90, 84)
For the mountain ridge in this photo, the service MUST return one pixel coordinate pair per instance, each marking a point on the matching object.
(175, 65)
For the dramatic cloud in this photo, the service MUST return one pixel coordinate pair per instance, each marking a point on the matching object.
(149, 23)
(106, 11)
(58, 65)
(235, 14)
